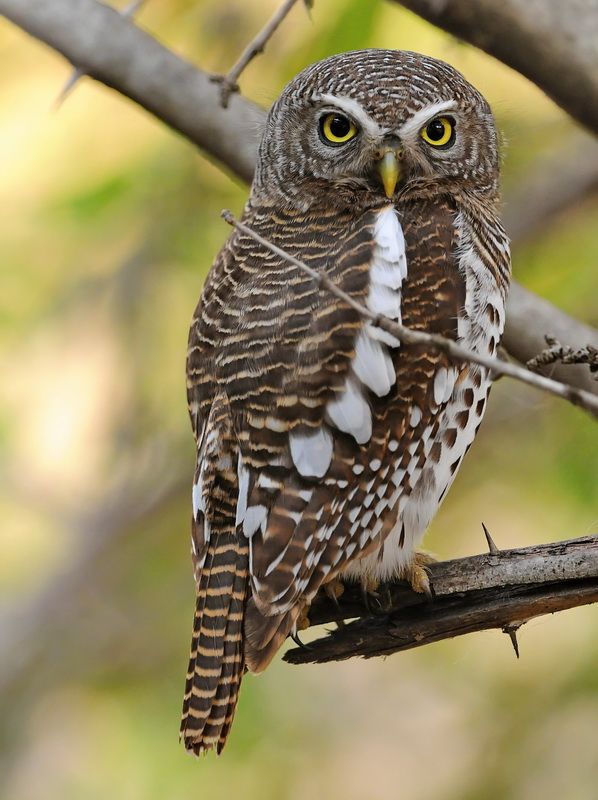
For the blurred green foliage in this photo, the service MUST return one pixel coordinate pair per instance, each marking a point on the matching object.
(109, 225)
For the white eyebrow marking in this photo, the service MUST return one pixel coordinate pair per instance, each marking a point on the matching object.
(354, 110)
(420, 117)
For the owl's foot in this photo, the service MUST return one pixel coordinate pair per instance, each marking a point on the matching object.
(301, 623)
(416, 574)
(370, 590)
(334, 589)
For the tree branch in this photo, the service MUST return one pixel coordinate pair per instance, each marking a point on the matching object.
(97, 40)
(228, 82)
(551, 43)
(128, 12)
(435, 341)
(497, 590)
(102, 44)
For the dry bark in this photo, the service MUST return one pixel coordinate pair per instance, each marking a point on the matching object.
(501, 590)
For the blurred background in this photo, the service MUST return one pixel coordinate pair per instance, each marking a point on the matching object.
(108, 226)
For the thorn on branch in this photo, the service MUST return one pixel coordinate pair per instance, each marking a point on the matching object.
(127, 12)
(564, 354)
(492, 548)
(229, 82)
(511, 631)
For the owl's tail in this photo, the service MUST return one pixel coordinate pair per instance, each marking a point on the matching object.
(217, 661)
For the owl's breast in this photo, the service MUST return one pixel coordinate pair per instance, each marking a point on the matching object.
(437, 405)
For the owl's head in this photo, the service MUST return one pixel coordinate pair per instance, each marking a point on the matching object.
(369, 124)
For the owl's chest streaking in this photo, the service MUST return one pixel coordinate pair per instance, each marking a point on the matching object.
(346, 439)
(453, 287)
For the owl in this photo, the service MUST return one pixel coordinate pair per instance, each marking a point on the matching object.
(325, 445)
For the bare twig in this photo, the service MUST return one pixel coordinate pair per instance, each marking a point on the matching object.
(126, 13)
(496, 590)
(551, 43)
(573, 395)
(556, 352)
(228, 82)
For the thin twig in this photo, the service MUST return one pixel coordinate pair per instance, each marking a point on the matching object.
(228, 82)
(126, 13)
(563, 354)
(409, 336)
(499, 590)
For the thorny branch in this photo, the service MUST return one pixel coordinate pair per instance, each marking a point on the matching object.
(572, 394)
(127, 12)
(502, 589)
(228, 83)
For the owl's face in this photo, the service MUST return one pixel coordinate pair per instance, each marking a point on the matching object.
(367, 124)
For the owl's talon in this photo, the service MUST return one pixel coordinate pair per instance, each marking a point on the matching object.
(417, 575)
(387, 606)
(302, 622)
(369, 592)
(298, 642)
(333, 590)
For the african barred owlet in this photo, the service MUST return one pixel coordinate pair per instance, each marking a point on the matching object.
(324, 445)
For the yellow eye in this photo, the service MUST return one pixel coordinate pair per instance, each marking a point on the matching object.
(440, 132)
(337, 129)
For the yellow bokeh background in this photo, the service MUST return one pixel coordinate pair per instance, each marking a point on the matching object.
(108, 226)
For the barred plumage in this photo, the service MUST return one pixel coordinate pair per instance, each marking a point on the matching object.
(324, 446)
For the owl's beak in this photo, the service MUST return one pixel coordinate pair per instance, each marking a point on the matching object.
(390, 171)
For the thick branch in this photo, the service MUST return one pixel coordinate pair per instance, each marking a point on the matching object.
(113, 50)
(497, 590)
(105, 46)
(551, 43)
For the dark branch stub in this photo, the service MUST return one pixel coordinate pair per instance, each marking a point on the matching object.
(557, 353)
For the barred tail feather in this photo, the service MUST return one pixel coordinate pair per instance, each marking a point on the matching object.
(216, 663)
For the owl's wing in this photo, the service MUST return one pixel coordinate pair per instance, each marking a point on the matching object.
(332, 414)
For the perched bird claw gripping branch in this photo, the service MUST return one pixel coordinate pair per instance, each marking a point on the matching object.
(325, 443)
